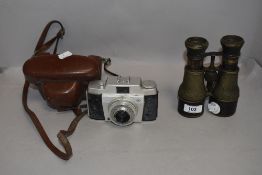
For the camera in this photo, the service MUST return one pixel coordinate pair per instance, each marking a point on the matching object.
(122, 100)
(63, 79)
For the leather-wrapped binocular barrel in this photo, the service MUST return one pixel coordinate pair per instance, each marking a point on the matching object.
(219, 83)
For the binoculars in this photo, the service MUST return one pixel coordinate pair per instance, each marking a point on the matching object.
(218, 83)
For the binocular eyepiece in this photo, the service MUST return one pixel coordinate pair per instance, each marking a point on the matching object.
(196, 47)
(221, 81)
(231, 46)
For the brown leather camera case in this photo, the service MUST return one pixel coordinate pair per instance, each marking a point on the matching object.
(61, 82)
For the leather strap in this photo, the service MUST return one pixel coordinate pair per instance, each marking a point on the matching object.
(63, 134)
(41, 46)
(107, 62)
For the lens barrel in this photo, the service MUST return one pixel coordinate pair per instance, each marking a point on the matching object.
(224, 99)
(196, 47)
(122, 112)
(122, 116)
(231, 45)
(192, 91)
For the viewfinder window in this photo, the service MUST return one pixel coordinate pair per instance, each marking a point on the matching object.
(122, 90)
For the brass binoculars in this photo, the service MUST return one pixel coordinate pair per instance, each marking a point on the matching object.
(218, 83)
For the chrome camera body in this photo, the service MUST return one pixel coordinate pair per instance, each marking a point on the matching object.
(122, 100)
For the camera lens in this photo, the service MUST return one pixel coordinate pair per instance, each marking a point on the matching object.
(122, 112)
(122, 117)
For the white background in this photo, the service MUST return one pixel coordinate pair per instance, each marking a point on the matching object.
(172, 144)
(144, 38)
(129, 29)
